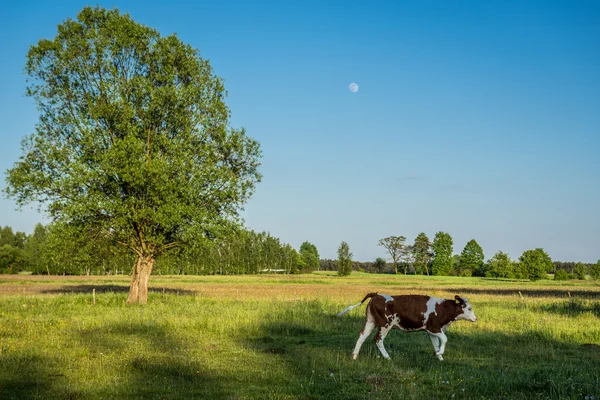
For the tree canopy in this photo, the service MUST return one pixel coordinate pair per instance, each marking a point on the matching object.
(442, 253)
(421, 253)
(535, 264)
(471, 259)
(133, 141)
(344, 259)
(395, 246)
(309, 257)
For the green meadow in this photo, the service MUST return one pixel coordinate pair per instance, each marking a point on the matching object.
(278, 337)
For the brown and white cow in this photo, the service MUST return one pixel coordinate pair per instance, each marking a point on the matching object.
(411, 313)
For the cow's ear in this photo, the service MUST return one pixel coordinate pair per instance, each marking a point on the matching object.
(458, 300)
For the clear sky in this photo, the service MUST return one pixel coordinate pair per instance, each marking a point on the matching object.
(477, 118)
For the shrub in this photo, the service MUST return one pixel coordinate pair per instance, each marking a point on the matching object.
(561, 275)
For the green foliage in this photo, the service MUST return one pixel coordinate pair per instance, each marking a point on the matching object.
(500, 266)
(310, 257)
(344, 260)
(12, 259)
(379, 264)
(471, 259)
(14, 239)
(395, 247)
(35, 250)
(561, 275)
(595, 270)
(133, 141)
(442, 254)
(59, 249)
(421, 253)
(580, 271)
(535, 264)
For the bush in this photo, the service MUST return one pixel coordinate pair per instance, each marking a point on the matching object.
(561, 275)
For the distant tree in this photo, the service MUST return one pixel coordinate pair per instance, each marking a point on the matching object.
(310, 257)
(442, 254)
(561, 275)
(500, 266)
(595, 270)
(408, 259)
(344, 260)
(7, 237)
(471, 259)
(12, 259)
(395, 247)
(535, 264)
(379, 264)
(291, 259)
(134, 141)
(14, 239)
(35, 250)
(455, 270)
(580, 271)
(422, 253)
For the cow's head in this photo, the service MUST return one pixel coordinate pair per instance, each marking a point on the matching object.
(467, 311)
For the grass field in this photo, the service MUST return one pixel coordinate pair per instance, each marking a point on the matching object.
(278, 337)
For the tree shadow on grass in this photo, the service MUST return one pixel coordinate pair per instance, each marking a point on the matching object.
(109, 288)
(572, 307)
(124, 361)
(153, 364)
(25, 377)
(317, 351)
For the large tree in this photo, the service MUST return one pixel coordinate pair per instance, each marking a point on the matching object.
(442, 254)
(133, 140)
(309, 257)
(395, 246)
(471, 259)
(535, 264)
(344, 259)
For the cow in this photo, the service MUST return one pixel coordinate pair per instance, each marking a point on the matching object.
(411, 313)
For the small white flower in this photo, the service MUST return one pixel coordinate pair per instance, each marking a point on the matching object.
(331, 374)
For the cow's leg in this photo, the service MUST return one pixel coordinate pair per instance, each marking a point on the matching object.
(383, 331)
(362, 336)
(435, 342)
(443, 339)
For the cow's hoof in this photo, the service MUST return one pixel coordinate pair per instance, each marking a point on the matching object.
(439, 356)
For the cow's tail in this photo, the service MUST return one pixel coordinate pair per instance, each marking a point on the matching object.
(368, 296)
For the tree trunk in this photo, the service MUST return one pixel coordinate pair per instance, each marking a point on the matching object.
(138, 291)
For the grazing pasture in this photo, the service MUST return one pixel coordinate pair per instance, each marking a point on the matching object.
(278, 337)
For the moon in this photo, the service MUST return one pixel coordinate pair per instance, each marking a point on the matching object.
(353, 87)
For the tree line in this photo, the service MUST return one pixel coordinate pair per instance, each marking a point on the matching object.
(57, 249)
(437, 258)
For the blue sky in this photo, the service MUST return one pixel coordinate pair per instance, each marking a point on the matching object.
(477, 118)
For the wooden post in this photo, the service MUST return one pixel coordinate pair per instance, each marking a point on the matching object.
(94, 295)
